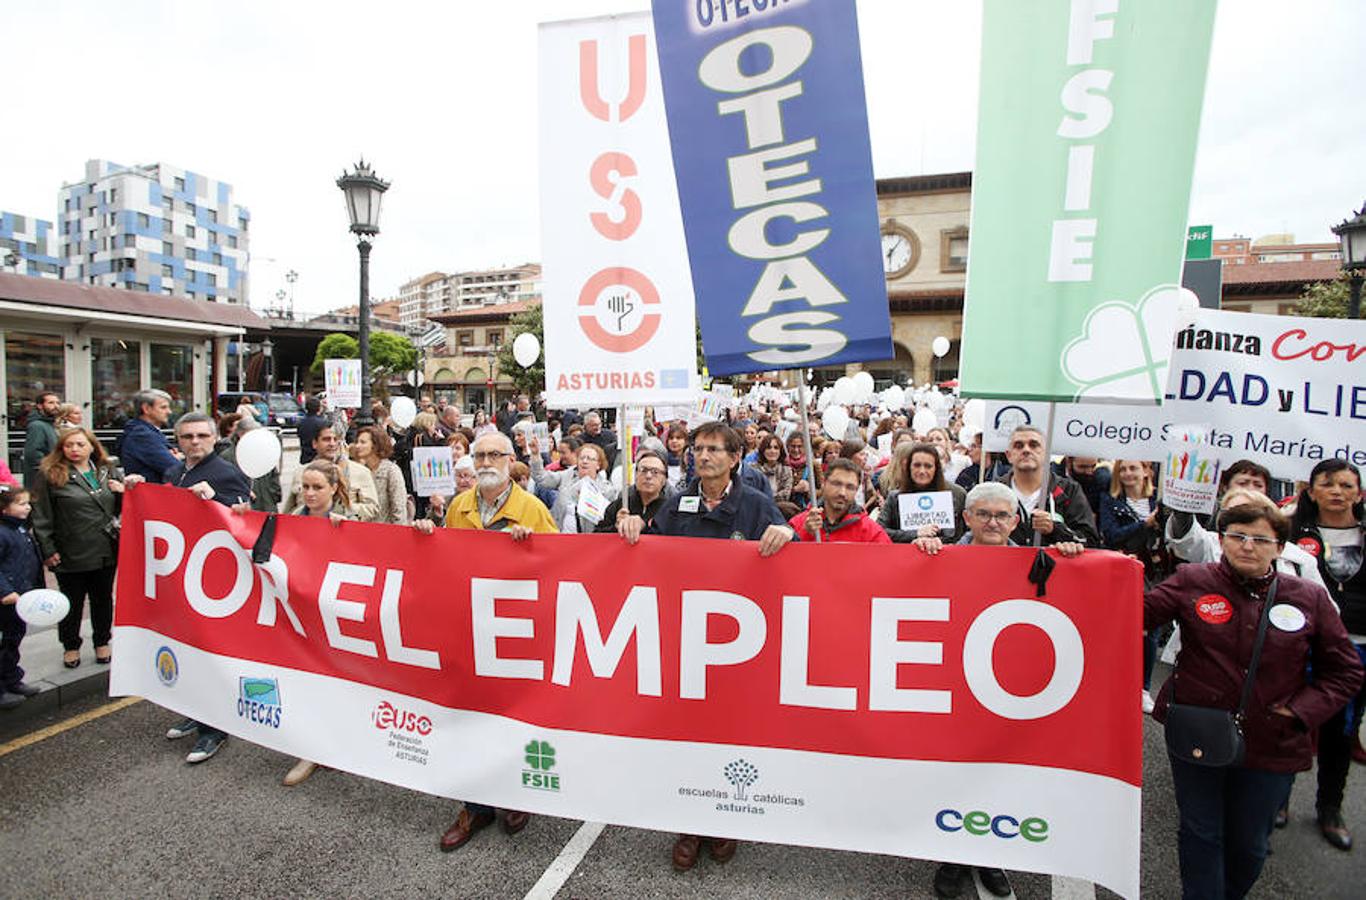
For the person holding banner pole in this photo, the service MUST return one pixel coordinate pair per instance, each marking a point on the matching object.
(1052, 509)
(496, 503)
(1330, 523)
(836, 517)
(718, 505)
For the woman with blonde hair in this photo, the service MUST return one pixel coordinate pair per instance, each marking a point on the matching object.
(75, 518)
(322, 488)
(68, 416)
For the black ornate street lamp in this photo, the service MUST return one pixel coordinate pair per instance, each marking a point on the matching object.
(1352, 235)
(364, 191)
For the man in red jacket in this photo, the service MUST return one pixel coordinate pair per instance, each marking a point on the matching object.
(832, 520)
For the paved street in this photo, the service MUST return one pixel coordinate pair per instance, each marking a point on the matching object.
(109, 806)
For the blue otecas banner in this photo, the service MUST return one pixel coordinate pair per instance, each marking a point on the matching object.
(770, 143)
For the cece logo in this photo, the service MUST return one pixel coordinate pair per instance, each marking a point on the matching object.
(982, 823)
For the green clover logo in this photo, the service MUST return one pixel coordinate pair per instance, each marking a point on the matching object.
(540, 756)
(1124, 348)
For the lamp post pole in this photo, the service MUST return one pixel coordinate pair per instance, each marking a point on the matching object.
(363, 415)
(1352, 235)
(364, 191)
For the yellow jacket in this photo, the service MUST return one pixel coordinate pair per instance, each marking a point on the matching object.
(521, 508)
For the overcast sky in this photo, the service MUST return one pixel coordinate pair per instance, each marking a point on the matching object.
(278, 98)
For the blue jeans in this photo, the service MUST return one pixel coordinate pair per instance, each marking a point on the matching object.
(1226, 818)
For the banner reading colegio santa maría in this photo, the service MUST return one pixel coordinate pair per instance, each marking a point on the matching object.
(769, 130)
(617, 294)
(860, 697)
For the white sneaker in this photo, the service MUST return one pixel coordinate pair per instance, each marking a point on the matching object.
(1147, 703)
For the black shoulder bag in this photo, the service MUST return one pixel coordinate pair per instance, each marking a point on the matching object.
(1214, 737)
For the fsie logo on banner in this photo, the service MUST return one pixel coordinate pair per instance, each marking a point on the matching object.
(540, 756)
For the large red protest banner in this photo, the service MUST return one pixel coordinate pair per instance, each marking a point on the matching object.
(860, 697)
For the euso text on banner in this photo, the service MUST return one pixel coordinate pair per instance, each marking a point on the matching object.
(617, 293)
(1086, 138)
(1282, 391)
(774, 165)
(814, 698)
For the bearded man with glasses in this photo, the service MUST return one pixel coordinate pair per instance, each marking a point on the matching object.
(495, 503)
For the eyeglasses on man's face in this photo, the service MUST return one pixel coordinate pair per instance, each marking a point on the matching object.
(652, 471)
(984, 516)
(489, 455)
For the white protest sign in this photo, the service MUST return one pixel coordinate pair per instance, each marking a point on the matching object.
(1281, 391)
(433, 471)
(592, 502)
(884, 445)
(1190, 477)
(926, 508)
(617, 288)
(342, 377)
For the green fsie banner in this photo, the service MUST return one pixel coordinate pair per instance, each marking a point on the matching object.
(1085, 146)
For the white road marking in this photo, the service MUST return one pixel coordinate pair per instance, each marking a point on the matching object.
(558, 872)
(1072, 889)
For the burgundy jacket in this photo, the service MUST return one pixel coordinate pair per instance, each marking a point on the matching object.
(1218, 611)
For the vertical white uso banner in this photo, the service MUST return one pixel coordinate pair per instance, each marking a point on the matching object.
(616, 288)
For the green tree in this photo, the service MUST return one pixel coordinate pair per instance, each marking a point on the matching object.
(529, 380)
(389, 353)
(1325, 299)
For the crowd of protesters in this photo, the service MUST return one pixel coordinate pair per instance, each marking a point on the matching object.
(756, 476)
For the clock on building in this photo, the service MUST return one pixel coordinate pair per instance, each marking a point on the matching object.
(900, 250)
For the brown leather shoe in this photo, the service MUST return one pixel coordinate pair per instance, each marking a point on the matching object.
(685, 852)
(459, 834)
(722, 849)
(514, 821)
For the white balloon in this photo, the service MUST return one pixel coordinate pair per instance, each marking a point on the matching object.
(924, 420)
(526, 349)
(894, 397)
(975, 413)
(42, 606)
(835, 421)
(966, 434)
(940, 346)
(258, 452)
(863, 381)
(403, 410)
(843, 390)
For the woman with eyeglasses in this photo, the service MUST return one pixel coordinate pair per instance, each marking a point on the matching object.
(589, 468)
(1226, 812)
(1329, 524)
(645, 498)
